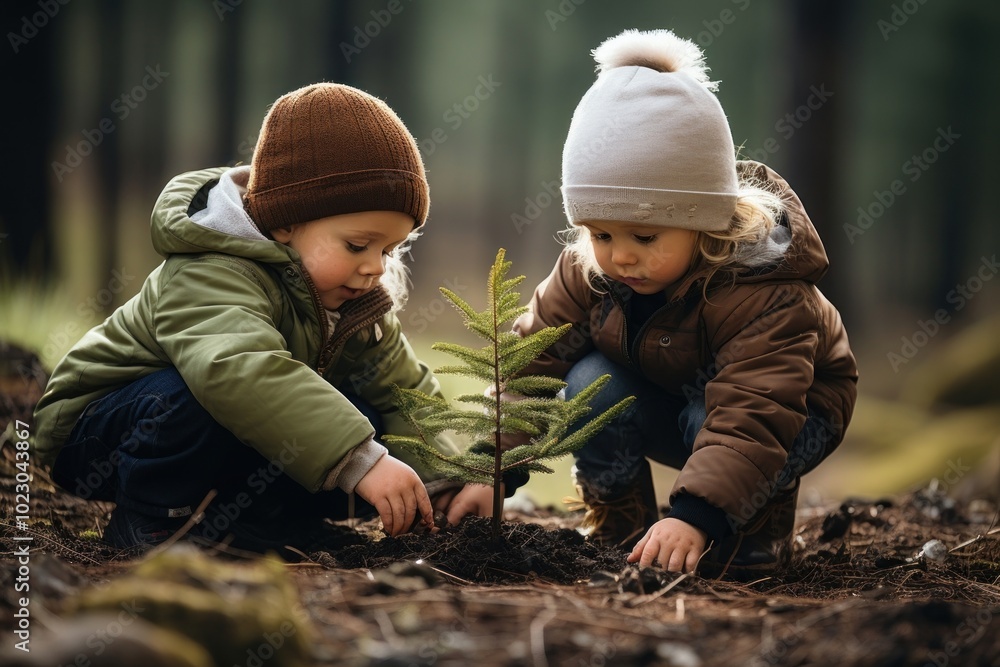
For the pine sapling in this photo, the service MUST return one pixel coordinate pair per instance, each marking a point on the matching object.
(536, 412)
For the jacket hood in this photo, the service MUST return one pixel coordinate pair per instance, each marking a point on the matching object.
(805, 259)
(804, 256)
(202, 211)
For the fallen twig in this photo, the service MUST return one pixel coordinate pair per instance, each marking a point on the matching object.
(188, 525)
(536, 631)
(660, 593)
(974, 540)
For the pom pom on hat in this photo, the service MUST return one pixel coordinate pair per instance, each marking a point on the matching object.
(649, 142)
(660, 50)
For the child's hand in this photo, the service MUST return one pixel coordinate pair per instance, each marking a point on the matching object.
(676, 545)
(471, 499)
(395, 490)
(509, 441)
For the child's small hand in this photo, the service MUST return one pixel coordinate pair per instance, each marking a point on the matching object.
(676, 545)
(395, 490)
(471, 499)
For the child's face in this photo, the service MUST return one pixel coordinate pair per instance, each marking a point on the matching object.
(648, 259)
(345, 255)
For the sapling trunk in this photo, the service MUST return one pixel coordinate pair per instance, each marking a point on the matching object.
(537, 414)
(498, 490)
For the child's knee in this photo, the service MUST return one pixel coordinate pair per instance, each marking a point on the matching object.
(589, 369)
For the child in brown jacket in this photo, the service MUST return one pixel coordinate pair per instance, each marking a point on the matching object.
(691, 279)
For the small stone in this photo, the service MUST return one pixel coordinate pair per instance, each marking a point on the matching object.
(934, 550)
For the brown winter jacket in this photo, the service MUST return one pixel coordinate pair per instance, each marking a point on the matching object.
(761, 349)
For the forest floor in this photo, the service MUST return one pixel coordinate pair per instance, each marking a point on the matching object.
(868, 585)
(857, 593)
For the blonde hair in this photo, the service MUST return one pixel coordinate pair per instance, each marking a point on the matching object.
(746, 243)
(396, 279)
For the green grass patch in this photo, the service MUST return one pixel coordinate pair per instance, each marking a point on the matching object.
(43, 318)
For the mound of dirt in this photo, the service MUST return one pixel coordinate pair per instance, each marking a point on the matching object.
(471, 553)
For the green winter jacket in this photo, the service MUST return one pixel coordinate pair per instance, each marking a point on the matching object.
(241, 322)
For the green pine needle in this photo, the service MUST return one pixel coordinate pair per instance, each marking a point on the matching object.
(538, 415)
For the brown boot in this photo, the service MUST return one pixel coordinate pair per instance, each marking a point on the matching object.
(761, 548)
(620, 521)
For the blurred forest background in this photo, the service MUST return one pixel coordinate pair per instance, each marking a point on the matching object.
(881, 115)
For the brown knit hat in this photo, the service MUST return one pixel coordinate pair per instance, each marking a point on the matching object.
(330, 149)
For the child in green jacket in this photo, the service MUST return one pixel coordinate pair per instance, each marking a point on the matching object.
(257, 360)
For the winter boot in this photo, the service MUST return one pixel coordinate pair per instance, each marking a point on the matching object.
(761, 548)
(136, 524)
(616, 521)
(258, 527)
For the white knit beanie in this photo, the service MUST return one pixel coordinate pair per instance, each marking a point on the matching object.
(649, 142)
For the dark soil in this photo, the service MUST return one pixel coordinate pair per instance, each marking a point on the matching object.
(857, 592)
(471, 553)
(854, 595)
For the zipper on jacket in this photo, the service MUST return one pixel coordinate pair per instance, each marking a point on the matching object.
(345, 328)
(621, 306)
(324, 325)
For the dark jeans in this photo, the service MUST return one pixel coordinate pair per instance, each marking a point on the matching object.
(152, 448)
(663, 427)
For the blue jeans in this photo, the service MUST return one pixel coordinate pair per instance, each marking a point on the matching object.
(663, 427)
(152, 448)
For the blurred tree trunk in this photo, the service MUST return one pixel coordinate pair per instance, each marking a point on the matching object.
(27, 118)
(816, 48)
(509, 160)
(340, 25)
(108, 157)
(969, 44)
(226, 102)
